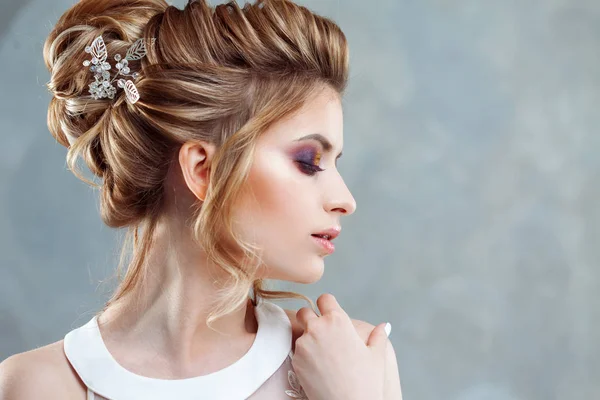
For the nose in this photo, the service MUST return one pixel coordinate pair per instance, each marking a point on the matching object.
(340, 199)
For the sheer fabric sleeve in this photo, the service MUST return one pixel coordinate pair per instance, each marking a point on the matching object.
(282, 385)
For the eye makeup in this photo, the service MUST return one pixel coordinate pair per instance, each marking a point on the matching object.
(327, 146)
(308, 159)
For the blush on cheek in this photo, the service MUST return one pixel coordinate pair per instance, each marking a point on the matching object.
(272, 180)
(268, 208)
(275, 214)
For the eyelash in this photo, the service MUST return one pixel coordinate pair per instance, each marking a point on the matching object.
(309, 169)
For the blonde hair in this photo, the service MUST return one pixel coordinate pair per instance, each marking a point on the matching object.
(222, 74)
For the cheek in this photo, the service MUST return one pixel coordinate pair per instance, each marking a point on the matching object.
(276, 209)
(277, 214)
(277, 198)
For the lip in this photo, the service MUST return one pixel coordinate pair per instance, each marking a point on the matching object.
(331, 232)
(325, 244)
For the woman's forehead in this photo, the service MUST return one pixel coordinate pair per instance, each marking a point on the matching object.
(320, 115)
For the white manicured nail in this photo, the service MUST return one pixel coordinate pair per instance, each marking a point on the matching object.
(388, 329)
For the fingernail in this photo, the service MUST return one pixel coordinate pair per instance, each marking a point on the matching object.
(388, 329)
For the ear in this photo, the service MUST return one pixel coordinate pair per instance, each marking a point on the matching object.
(195, 158)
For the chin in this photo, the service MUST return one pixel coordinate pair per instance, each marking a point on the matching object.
(307, 272)
(307, 276)
(310, 275)
(306, 280)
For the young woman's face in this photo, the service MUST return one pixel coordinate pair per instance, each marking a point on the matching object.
(297, 191)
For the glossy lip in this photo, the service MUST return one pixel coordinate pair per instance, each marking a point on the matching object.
(332, 232)
(325, 244)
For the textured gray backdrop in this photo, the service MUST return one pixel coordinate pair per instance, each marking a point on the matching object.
(470, 147)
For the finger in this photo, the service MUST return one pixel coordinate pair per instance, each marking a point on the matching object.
(363, 329)
(328, 303)
(304, 315)
(378, 338)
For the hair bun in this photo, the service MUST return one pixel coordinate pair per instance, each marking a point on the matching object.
(74, 116)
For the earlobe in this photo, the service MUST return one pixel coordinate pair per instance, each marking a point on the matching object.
(194, 160)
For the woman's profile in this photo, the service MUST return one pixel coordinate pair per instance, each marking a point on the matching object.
(215, 133)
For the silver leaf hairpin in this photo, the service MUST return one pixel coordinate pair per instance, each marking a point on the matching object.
(103, 87)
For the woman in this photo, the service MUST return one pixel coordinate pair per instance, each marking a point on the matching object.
(215, 132)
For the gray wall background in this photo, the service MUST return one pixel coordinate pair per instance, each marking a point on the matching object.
(471, 148)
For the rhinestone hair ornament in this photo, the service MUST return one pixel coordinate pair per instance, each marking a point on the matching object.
(103, 87)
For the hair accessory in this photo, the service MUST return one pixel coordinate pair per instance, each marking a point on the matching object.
(103, 87)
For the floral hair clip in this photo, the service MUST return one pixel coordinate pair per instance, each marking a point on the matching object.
(103, 87)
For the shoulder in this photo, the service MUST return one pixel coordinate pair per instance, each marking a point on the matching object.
(44, 372)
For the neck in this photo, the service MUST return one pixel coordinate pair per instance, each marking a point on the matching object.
(169, 314)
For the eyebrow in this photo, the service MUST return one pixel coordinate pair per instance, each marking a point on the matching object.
(321, 139)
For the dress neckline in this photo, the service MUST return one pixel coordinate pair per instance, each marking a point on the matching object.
(89, 356)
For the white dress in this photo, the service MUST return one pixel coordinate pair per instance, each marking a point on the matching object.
(264, 373)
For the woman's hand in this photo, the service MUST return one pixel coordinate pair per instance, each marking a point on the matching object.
(332, 361)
